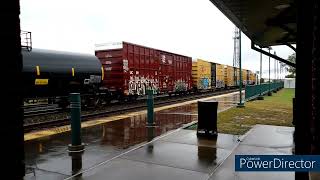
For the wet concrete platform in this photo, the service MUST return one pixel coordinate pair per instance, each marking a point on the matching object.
(126, 149)
(262, 139)
(167, 158)
(181, 155)
(47, 156)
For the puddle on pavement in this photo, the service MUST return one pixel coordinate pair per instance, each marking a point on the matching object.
(103, 142)
(192, 109)
(108, 140)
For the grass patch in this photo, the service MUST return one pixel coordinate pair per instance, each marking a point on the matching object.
(273, 110)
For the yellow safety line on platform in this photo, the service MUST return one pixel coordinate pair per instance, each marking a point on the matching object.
(62, 129)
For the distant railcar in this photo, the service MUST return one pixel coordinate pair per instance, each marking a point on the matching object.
(201, 74)
(220, 76)
(229, 76)
(244, 77)
(248, 77)
(252, 78)
(131, 69)
(213, 75)
(236, 76)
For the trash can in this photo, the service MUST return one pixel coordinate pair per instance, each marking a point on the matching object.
(207, 118)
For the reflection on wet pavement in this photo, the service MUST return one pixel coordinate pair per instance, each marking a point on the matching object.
(179, 155)
(103, 142)
(225, 103)
(262, 139)
(131, 131)
(47, 157)
(169, 158)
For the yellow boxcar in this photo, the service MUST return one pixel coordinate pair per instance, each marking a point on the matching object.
(252, 78)
(249, 77)
(229, 76)
(220, 76)
(244, 77)
(237, 79)
(201, 74)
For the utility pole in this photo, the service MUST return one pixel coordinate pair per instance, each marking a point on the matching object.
(260, 97)
(236, 53)
(269, 92)
(260, 68)
(236, 47)
(280, 70)
(240, 104)
(275, 70)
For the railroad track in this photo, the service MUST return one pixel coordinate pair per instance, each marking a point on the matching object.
(45, 109)
(46, 122)
(42, 109)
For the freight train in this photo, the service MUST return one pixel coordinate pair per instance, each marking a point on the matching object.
(122, 71)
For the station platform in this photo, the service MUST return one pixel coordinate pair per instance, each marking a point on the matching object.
(260, 140)
(181, 155)
(126, 149)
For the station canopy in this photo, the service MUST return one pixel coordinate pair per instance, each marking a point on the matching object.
(265, 22)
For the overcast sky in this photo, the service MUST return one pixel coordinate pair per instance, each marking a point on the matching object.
(194, 28)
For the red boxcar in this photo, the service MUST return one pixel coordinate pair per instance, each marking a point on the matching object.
(130, 69)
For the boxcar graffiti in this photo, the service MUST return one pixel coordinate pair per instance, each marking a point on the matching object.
(180, 86)
(138, 85)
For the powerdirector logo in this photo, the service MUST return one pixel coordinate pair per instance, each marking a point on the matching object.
(297, 163)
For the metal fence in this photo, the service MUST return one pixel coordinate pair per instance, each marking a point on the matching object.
(253, 91)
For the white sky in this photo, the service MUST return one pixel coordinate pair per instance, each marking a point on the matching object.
(194, 28)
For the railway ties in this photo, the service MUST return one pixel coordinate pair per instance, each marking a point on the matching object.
(41, 109)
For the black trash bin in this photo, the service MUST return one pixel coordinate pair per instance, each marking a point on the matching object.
(207, 118)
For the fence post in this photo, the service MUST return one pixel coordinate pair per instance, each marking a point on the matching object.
(260, 97)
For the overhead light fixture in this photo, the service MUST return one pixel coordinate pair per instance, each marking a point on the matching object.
(282, 6)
